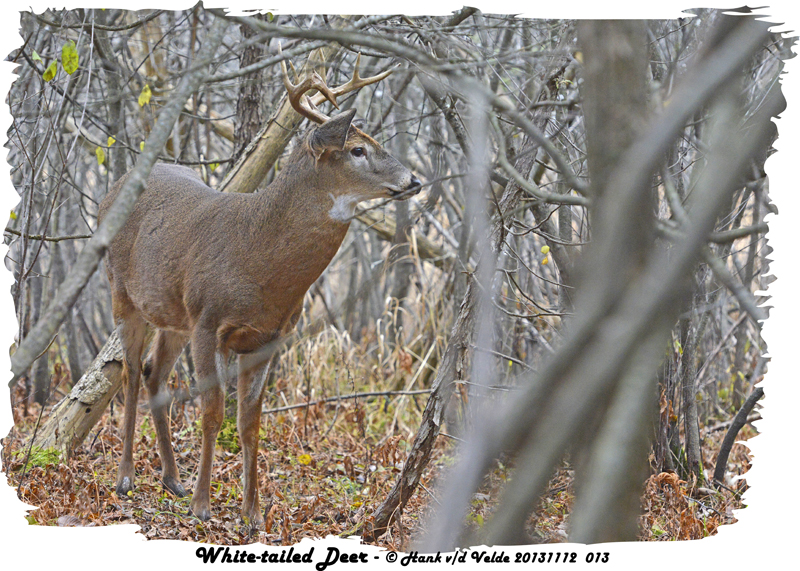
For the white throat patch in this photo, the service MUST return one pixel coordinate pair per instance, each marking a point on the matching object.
(344, 207)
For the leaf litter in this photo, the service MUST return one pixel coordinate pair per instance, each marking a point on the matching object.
(323, 470)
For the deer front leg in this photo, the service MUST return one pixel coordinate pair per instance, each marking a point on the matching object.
(167, 346)
(250, 389)
(131, 331)
(211, 385)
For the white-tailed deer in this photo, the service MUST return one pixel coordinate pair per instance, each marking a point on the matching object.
(228, 272)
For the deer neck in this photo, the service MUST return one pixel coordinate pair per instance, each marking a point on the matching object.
(305, 208)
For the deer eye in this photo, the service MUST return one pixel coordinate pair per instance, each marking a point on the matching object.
(358, 152)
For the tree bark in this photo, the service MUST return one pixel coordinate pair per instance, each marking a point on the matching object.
(449, 372)
(690, 338)
(248, 107)
(73, 417)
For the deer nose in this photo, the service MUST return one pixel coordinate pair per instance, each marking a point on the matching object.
(414, 185)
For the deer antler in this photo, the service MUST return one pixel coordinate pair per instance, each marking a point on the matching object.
(307, 106)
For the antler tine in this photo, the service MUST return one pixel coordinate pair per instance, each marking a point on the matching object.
(356, 82)
(299, 99)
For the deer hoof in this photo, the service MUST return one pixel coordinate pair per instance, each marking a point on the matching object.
(124, 487)
(174, 486)
(202, 513)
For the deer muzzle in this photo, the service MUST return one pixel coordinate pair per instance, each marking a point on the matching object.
(413, 188)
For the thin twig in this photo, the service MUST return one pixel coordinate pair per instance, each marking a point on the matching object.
(48, 238)
(346, 397)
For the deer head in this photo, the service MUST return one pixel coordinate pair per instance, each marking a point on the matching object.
(347, 157)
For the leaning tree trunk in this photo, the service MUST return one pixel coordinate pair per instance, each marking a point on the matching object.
(73, 417)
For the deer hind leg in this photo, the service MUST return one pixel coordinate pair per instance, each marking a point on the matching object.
(167, 345)
(210, 382)
(132, 330)
(250, 393)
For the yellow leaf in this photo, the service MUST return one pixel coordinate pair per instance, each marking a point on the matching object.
(145, 95)
(69, 57)
(545, 261)
(13, 215)
(141, 146)
(545, 249)
(213, 166)
(101, 155)
(304, 459)
(111, 141)
(50, 72)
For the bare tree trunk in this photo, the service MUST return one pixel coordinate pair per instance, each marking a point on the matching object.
(615, 112)
(400, 257)
(251, 97)
(742, 332)
(690, 339)
(450, 370)
(40, 374)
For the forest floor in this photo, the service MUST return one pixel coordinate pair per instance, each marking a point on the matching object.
(328, 467)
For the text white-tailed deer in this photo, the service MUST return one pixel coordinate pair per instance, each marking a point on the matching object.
(228, 273)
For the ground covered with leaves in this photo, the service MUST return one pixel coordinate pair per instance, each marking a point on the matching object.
(328, 466)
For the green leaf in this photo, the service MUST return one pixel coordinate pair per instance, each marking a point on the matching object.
(213, 166)
(101, 155)
(145, 95)
(69, 57)
(270, 16)
(35, 56)
(50, 72)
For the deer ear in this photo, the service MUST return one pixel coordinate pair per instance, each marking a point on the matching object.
(332, 135)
